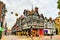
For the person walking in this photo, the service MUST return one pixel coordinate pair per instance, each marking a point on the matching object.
(5, 32)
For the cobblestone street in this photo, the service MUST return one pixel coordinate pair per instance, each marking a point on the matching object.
(13, 37)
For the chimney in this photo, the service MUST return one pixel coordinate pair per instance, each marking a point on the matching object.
(36, 9)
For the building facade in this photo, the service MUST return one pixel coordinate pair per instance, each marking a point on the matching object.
(2, 13)
(33, 23)
(49, 27)
(57, 23)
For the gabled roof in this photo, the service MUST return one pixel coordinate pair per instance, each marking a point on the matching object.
(41, 15)
(30, 12)
(50, 19)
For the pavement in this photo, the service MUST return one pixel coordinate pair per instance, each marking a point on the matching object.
(15, 37)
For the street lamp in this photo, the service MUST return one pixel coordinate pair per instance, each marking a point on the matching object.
(16, 15)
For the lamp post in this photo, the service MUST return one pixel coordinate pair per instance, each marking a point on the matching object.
(15, 15)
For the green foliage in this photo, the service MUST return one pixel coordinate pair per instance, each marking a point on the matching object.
(58, 4)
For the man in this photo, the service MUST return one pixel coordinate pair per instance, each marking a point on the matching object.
(5, 32)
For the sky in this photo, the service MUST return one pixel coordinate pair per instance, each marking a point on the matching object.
(46, 7)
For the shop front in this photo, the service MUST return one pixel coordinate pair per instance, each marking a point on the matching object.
(45, 32)
(41, 32)
(34, 32)
(18, 33)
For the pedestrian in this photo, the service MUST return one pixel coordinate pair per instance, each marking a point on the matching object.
(5, 32)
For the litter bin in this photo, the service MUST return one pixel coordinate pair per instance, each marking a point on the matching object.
(0, 34)
(1, 30)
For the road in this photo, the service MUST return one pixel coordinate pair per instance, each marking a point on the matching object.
(13, 37)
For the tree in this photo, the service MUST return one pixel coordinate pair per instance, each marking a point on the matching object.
(58, 4)
(16, 14)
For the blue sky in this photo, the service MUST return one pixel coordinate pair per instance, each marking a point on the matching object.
(47, 7)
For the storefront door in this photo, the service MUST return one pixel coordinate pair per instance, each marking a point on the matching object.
(41, 32)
